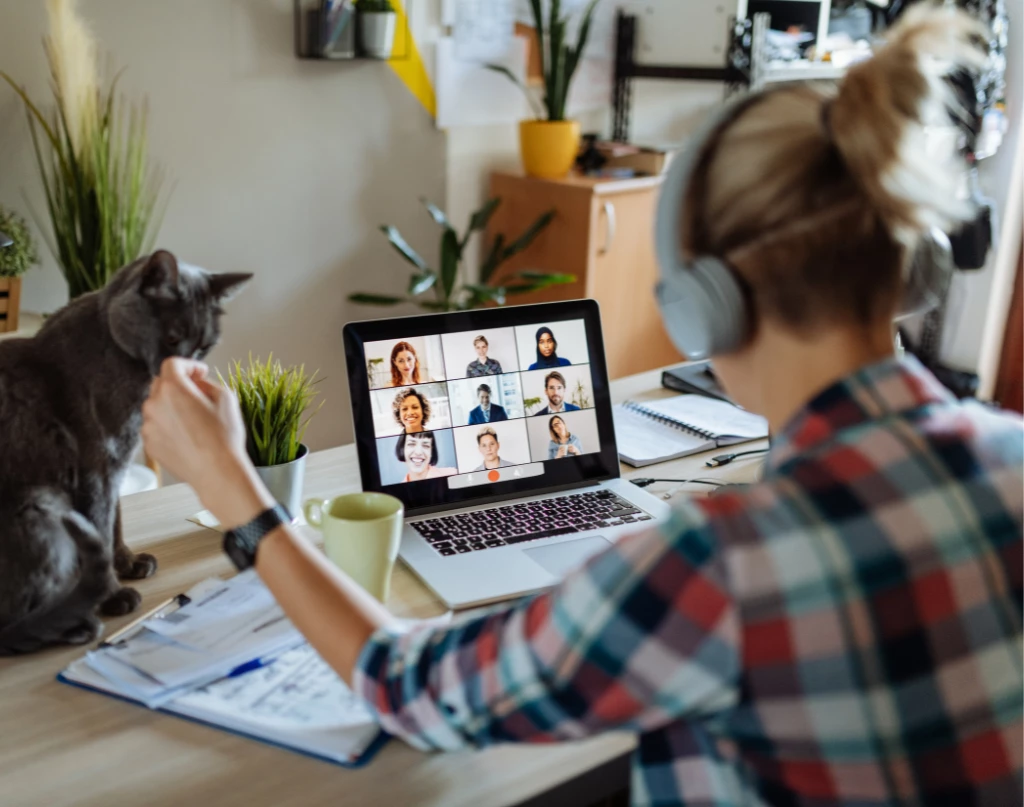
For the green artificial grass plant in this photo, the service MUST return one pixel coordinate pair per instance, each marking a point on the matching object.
(274, 403)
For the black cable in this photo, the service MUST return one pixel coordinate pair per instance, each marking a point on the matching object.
(643, 482)
(725, 459)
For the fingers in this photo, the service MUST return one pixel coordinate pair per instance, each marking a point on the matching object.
(198, 371)
(178, 369)
(213, 392)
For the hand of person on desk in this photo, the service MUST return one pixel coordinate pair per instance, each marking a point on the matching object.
(194, 428)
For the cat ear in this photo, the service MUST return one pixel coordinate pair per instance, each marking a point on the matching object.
(160, 276)
(228, 285)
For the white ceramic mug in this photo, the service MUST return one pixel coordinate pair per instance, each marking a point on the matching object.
(362, 533)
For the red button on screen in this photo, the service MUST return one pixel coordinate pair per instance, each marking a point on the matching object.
(494, 476)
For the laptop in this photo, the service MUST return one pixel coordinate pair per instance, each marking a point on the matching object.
(494, 427)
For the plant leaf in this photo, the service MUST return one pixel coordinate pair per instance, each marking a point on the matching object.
(531, 232)
(485, 294)
(421, 283)
(546, 278)
(498, 68)
(451, 252)
(538, 24)
(556, 68)
(576, 54)
(403, 248)
(478, 221)
(436, 213)
(363, 298)
(493, 259)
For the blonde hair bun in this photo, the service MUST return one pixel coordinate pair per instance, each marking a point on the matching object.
(890, 120)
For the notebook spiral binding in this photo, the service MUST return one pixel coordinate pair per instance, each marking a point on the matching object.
(676, 424)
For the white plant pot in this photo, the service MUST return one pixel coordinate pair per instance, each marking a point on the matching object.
(138, 479)
(284, 481)
(377, 33)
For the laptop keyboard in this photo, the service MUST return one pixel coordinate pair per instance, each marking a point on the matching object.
(531, 521)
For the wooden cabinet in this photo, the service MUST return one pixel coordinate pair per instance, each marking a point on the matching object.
(603, 232)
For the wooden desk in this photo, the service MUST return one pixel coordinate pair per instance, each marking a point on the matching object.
(62, 746)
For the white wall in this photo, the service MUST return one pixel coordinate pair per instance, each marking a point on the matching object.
(281, 167)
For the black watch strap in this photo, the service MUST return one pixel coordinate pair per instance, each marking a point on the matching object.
(241, 543)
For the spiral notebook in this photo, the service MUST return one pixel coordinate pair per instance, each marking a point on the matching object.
(657, 431)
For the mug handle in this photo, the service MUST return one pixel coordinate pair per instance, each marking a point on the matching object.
(313, 509)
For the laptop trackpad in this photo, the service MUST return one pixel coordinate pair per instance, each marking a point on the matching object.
(560, 559)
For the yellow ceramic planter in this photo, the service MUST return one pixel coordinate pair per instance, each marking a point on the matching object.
(548, 148)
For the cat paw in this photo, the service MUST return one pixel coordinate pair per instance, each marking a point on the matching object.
(137, 567)
(84, 632)
(121, 602)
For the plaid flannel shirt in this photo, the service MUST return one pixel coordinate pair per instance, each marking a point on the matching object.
(846, 631)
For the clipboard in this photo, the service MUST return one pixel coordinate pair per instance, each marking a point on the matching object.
(292, 701)
(357, 761)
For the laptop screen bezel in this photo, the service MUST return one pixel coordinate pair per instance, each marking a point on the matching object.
(434, 495)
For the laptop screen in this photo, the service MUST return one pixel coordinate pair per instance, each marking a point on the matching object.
(476, 406)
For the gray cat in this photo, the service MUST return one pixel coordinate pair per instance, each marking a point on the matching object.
(70, 412)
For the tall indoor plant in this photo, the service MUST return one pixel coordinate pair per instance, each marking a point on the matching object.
(17, 255)
(275, 403)
(92, 152)
(549, 144)
(451, 292)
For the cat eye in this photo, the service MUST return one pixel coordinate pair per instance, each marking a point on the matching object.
(172, 340)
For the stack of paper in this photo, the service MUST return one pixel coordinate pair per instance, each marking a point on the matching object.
(230, 658)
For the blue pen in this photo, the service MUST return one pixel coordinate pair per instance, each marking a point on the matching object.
(249, 666)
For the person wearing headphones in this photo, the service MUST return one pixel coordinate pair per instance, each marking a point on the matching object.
(846, 631)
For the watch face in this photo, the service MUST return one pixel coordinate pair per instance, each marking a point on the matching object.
(237, 550)
(241, 543)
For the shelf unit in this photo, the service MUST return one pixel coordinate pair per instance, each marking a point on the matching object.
(744, 68)
(308, 17)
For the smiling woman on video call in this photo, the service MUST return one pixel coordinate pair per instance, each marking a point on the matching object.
(411, 410)
(846, 631)
(419, 453)
(405, 365)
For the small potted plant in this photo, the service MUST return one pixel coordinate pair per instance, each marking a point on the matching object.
(376, 28)
(549, 144)
(17, 254)
(450, 291)
(275, 404)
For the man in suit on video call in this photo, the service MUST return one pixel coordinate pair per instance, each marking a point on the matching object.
(554, 388)
(486, 412)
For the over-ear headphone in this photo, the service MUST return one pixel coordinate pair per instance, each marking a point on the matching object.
(701, 299)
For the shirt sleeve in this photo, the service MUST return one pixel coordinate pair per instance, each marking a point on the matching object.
(643, 634)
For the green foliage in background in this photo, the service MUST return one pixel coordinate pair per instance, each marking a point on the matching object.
(580, 397)
(274, 403)
(16, 259)
(558, 58)
(92, 152)
(449, 293)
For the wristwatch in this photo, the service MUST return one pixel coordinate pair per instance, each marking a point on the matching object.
(241, 543)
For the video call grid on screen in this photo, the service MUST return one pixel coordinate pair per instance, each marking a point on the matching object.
(428, 394)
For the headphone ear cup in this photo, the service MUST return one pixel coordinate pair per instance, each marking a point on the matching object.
(728, 321)
(703, 308)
